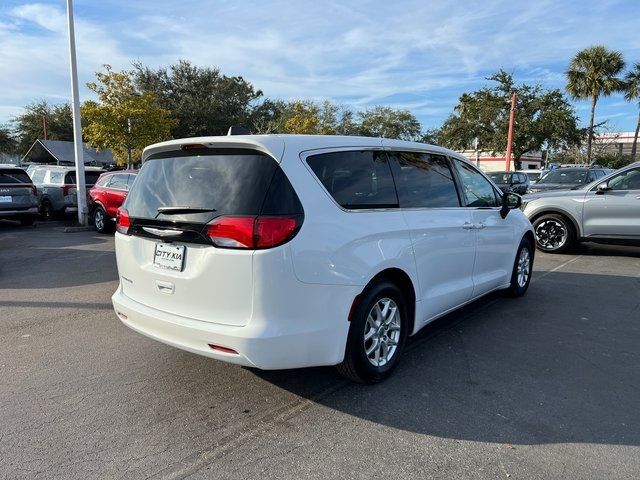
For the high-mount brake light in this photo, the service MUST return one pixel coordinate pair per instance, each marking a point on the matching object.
(251, 233)
(123, 221)
(193, 146)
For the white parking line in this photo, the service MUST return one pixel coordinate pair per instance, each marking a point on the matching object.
(555, 269)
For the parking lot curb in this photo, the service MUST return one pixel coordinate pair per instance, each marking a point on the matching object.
(77, 229)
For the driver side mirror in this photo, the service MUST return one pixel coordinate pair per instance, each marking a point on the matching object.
(510, 201)
(603, 187)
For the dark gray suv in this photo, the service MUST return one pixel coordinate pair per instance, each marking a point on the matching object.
(18, 200)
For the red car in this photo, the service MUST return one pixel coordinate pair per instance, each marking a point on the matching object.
(106, 196)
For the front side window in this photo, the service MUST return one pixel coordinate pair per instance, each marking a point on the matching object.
(629, 180)
(358, 179)
(476, 189)
(424, 180)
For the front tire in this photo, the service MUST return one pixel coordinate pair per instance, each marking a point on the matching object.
(522, 269)
(554, 233)
(377, 335)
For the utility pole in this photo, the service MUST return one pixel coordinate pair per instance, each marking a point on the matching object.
(77, 126)
(44, 126)
(129, 144)
(512, 117)
(476, 144)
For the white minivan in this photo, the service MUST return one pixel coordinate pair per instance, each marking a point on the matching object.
(287, 251)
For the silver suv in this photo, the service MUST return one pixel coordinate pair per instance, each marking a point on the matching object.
(18, 199)
(605, 211)
(57, 193)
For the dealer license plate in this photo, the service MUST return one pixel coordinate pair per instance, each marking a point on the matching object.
(169, 256)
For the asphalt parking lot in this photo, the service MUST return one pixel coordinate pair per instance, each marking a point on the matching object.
(547, 386)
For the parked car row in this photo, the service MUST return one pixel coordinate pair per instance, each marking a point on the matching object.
(50, 191)
(563, 178)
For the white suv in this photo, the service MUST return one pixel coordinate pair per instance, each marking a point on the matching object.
(286, 251)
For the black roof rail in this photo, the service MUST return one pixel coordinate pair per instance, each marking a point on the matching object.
(238, 130)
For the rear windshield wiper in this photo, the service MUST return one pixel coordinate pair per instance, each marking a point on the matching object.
(180, 210)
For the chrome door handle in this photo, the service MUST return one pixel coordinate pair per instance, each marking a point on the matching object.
(469, 226)
(480, 226)
(638, 197)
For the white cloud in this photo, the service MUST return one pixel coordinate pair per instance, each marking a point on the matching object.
(419, 54)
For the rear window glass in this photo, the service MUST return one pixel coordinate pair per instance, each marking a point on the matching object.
(424, 180)
(14, 176)
(90, 178)
(356, 179)
(230, 181)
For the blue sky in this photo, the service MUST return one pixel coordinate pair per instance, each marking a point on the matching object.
(419, 55)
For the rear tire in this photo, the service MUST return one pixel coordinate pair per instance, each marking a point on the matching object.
(47, 211)
(100, 221)
(554, 233)
(522, 269)
(377, 335)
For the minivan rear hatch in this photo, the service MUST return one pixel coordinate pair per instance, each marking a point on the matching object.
(167, 260)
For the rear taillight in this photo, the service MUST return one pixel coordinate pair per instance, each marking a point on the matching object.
(253, 232)
(123, 221)
(34, 189)
(66, 188)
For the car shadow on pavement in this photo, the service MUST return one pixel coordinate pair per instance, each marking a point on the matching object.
(601, 250)
(560, 365)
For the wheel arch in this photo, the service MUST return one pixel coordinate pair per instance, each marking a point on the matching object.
(559, 211)
(400, 278)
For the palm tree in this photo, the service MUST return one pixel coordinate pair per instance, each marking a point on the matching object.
(632, 92)
(592, 73)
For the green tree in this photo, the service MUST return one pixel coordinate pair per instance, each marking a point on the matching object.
(632, 93)
(544, 119)
(123, 119)
(313, 118)
(592, 73)
(204, 101)
(8, 143)
(29, 125)
(387, 122)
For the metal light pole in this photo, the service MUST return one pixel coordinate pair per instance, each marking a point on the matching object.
(77, 126)
(512, 116)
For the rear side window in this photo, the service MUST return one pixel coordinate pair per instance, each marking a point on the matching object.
(14, 176)
(231, 181)
(90, 177)
(356, 179)
(38, 175)
(119, 182)
(424, 180)
(103, 181)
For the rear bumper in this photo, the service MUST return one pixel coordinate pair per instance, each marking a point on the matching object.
(262, 343)
(23, 213)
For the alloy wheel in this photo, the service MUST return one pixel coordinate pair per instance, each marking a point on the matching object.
(524, 267)
(382, 332)
(551, 234)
